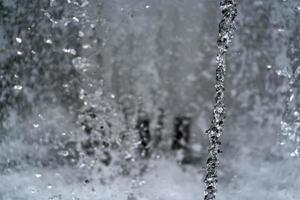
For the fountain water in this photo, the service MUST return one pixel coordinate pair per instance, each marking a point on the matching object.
(106, 99)
(226, 29)
(290, 70)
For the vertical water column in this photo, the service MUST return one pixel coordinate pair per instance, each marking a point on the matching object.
(226, 30)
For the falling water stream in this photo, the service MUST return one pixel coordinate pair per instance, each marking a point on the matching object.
(226, 30)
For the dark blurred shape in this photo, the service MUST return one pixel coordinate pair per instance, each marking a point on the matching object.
(159, 127)
(143, 128)
(181, 132)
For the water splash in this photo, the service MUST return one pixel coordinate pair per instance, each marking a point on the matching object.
(290, 123)
(226, 30)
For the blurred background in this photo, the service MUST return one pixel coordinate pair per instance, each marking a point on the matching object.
(110, 100)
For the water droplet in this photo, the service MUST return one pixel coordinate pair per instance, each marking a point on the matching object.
(295, 153)
(35, 125)
(64, 153)
(38, 175)
(41, 116)
(282, 143)
(147, 6)
(142, 182)
(82, 165)
(81, 34)
(86, 46)
(292, 97)
(66, 85)
(75, 19)
(49, 186)
(19, 52)
(18, 87)
(269, 66)
(48, 41)
(19, 40)
(70, 51)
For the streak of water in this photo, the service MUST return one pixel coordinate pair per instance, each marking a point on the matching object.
(226, 30)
